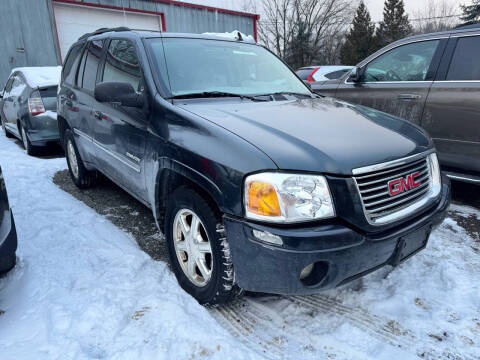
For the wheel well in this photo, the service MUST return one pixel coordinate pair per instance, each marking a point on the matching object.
(62, 126)
(168, 182)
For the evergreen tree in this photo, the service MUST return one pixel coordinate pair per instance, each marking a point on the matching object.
(359, 42)
(299, 51)
(395, 24)
(471, 13)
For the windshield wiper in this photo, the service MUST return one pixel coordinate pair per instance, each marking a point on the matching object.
(284, 93)
(208, 94)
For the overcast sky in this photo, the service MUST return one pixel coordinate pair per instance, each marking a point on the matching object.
(374, 6)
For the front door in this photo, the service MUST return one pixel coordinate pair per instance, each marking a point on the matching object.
(397, 81)
(120, 131)
(452, 112)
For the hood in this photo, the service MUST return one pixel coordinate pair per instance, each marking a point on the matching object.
(320, 135)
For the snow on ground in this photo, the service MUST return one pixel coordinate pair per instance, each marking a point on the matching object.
(84, 289)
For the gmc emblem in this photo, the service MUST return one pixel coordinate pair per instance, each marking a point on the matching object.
(400, 185)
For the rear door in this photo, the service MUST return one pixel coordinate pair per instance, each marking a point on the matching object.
(7, 102)
(452, 111)
(83, 102)
(120, 131)
(398, 80)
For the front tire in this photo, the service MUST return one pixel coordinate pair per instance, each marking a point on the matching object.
(198, 249)
(81, 177)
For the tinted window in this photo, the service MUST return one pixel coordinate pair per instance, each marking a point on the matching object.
(18, 86)
(68, 72)
(8, 87)
(405, 63)
(303, 73)
(336, 74)
(49, 97)
(465, 64)
(121, 64)
(92, 53)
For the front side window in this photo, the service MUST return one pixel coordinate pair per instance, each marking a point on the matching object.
(121, 64)
(200, 65)
(465, 64)
(404, 63)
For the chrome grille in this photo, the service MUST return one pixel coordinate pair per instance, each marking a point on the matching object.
(374, 190)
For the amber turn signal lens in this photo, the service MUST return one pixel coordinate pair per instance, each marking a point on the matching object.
(262, 199)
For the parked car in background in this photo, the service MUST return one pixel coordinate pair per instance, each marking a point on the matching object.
(322, 73)
(29, 106)
(432, 80)
(256, 182)
(8, 233)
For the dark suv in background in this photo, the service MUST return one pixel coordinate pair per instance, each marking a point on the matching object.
(431, 80)
(256, 182)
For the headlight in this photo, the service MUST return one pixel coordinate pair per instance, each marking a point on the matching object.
(435, 176)
(287, 198)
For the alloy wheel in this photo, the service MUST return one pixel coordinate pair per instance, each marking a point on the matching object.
(24, 138)
(72, 158)
(192, 247)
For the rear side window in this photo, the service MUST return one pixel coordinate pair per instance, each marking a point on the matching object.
(336, 74)
(68, 72)
(465, 64)
(92, 56)
(8, 87)
(303, 73)
(121, 64)
(18, 86)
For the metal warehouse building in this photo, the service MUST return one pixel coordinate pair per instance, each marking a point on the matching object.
(40, 32)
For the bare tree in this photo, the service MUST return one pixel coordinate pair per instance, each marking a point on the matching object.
(324, 20)
(437, 15)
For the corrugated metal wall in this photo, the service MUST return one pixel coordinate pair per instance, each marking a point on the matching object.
(26, 34)
(29, 38)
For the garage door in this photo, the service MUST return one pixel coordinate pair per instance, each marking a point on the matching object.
(73, 21)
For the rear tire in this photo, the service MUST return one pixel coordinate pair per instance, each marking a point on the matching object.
(219, 288)
(31, 150)
(81, 177)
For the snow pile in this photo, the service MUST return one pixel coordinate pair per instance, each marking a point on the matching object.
(41, 76)
(232, 35)
(84, 289)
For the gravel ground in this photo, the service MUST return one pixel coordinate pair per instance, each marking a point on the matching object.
(121, 209)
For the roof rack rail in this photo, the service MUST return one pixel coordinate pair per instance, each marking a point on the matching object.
(103, 30)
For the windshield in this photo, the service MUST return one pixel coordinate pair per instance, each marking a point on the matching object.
(198, 65)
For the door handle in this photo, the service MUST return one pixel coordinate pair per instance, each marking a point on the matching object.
(409, 96)
(97, 115)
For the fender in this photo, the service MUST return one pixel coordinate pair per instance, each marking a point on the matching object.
(162, 167)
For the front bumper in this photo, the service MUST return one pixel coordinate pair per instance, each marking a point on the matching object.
(8, 242)
(340, 252)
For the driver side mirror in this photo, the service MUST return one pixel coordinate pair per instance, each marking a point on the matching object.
(355, 74)
(121, 93)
